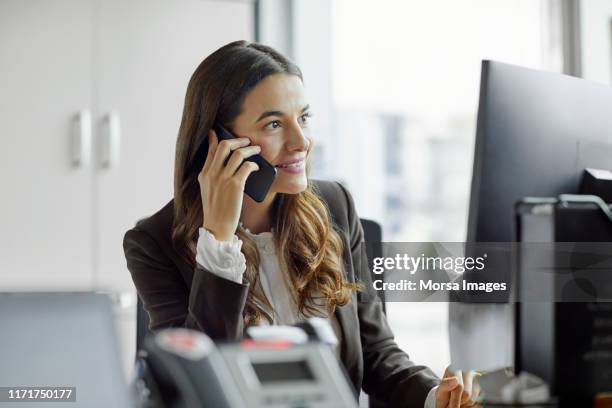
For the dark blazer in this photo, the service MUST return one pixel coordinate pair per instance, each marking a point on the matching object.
(175, 295)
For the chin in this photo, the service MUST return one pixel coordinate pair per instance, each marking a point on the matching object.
(294, 186)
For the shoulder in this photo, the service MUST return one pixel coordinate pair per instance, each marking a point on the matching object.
(153, 230)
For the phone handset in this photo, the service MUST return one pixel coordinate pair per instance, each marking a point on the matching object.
(259, 182)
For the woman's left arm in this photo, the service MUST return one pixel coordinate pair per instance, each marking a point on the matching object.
(389, 374)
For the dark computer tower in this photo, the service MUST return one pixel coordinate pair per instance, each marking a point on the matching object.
(561, 337)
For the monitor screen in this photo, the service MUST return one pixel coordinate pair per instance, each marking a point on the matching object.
(536, 133)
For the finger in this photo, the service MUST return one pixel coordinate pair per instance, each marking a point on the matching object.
(212, 144)
(468, 379)
(237, 157)
(448, 372)
(475, 390)
(245, 169)
(455, 397)
(444, 391)
(223, 150)
(462, 378)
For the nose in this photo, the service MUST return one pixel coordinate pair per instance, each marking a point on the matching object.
(297, 139)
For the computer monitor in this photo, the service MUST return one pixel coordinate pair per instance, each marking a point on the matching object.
(536, 133)
(62, 347)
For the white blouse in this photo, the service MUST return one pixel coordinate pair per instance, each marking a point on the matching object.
(224, 259)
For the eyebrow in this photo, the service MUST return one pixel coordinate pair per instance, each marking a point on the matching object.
(277, 113)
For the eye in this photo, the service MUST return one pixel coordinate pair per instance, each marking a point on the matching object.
(273, 125)
(305, 118)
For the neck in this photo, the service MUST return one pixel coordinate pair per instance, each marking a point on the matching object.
(257, 217)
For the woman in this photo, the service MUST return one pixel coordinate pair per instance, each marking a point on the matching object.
(215, 260)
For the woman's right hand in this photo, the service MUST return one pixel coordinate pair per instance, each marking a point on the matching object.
(222, 187)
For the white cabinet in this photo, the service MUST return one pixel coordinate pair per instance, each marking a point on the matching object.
(126, 63)
(46, 207)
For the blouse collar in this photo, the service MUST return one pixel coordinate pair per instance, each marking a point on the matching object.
(262, 236)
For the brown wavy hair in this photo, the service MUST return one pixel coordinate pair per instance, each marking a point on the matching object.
(306, 239)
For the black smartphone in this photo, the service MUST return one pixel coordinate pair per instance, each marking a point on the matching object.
(258, 183)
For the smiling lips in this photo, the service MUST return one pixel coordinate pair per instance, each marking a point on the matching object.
(294, 166)
(294, 163)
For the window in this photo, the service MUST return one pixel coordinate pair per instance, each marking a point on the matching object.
(405, 81)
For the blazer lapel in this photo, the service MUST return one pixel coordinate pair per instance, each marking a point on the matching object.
(350, 352)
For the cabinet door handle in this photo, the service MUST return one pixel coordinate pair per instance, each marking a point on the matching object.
(111, 141)
(80, 144)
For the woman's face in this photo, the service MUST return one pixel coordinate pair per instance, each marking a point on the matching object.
(275, 117)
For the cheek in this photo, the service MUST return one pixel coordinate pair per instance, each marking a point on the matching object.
(311, 140)
(307, 133)
(270, 149)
